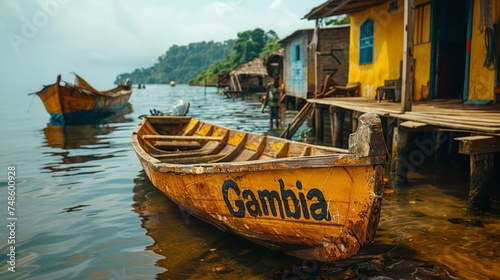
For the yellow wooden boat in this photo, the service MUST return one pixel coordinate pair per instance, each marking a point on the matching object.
(308, 201)
(80, 102)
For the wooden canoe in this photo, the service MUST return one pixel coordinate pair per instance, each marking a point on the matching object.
(77, 102)
(308, 201)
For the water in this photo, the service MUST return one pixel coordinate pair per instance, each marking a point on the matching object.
(85, 209)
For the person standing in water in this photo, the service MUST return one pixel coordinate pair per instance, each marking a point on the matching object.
(273, 94)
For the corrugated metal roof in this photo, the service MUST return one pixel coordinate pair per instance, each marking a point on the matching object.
(341, 7)
(312, 29)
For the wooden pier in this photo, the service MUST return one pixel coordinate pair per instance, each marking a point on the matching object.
(475, 129)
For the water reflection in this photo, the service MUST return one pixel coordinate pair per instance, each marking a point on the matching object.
(76, 137)
(77, 145)
(193, 249)
(78, 223)
(421, 236)
(113, 116)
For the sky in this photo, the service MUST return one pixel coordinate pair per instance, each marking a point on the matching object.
(99, 39)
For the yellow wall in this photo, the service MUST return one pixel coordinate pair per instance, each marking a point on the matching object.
(388, 51)
(482, 80)
(422, 53)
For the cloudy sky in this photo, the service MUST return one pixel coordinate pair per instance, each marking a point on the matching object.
(100, 39)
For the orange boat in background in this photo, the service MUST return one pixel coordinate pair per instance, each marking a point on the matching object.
(80, 102)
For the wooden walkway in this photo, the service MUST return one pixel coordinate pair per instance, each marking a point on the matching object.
(478, 127)
(451, 114)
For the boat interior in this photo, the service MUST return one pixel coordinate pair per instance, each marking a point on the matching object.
(184, 140)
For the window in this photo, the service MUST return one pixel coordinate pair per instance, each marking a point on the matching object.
(297, 52)
(422, 32)
(393, 5)
(366, 42)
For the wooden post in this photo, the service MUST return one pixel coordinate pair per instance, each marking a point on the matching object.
(407, 73)
(481, 150)
(400, 166)
(320, 135)
(481, 179)
(337, 117)
(332, 110)
(354, 120)
(391, 125)
(439, 145)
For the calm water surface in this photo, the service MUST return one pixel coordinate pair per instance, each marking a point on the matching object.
(86, 210)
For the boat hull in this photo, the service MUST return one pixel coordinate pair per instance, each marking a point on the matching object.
(319, 213)
(69, 103)
(87, 116)
(323, 207)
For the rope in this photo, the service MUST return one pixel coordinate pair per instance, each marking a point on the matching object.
(486, 19)
(485, 15)
(489, 42)
(29, 108)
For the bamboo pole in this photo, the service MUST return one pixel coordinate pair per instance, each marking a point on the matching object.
(408, 71)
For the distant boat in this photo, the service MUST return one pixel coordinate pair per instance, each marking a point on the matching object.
(172, 83)
(80, 101)
(309, 201)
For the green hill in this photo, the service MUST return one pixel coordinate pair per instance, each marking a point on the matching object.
(180, 63)
(200, 62)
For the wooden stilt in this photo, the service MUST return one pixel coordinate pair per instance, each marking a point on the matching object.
(481, 179)
(355, 116)
(391, 124)
(297, 121)
(481, 150)
(320, 135)
(332, 110)
(338, 135)
(400, 166)
(439, 146)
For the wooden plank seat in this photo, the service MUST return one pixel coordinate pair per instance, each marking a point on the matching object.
(177, 149)
(176, 143)
(207, 145)
(194, 159)
(182, 138)
(253, 149)
(275, 148)
(158, 146)
(227, 150)
(234, 146)
(298, 150)
(169, 125)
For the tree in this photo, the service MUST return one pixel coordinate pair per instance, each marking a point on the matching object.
(180, 63)
(202, 61)
(249, 45)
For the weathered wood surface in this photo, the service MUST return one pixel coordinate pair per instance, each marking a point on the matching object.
(400, 164)
(481, 181)
(450, 114)
(182, 138)
(297, 121)
(481, 150)
(408, 70)
(306, 200)
(67, 99)
(478, 144)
